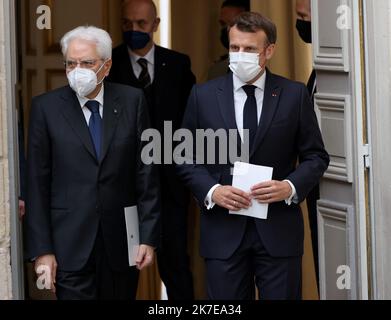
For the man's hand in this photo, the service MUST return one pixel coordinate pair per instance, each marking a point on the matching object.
(22, 209)
(271, 191)
(231, 198)
(145, 256)
(49, 261)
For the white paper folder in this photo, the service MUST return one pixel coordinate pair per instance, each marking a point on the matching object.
(132, 230)
(245, 176)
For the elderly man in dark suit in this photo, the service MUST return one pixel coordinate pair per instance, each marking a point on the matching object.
(166, 78)
(282, 128)
(84, 168)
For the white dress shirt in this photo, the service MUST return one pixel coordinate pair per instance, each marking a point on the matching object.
(150, 57)
(240, 98)
(84, 100)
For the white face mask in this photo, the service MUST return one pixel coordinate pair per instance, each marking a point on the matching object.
(83, 81)
(245, 65)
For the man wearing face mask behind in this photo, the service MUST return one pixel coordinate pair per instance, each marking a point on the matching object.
(282, 127)
(230, 9)
(166, 78)
(303, 26)
(84, 168)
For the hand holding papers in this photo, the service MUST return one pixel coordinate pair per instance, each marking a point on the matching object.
(132, 229)
(245, 176)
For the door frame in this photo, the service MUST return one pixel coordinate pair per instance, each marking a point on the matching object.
(17, 270)
(363, 154)
(377, 17)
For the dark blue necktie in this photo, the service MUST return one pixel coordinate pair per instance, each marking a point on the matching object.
(95, 126)
(250, 115)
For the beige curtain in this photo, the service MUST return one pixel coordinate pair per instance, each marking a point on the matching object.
(196, 31)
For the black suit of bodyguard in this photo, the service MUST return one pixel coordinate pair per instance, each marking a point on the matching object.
(167, 98)
(76, 201)
(167, 80)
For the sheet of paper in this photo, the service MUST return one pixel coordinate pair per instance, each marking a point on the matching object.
(245, 176)
(132, 230)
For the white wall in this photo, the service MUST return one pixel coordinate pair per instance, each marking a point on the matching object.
(378, 46)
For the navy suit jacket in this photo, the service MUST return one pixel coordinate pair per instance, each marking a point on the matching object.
(288, 132)
(71, 193)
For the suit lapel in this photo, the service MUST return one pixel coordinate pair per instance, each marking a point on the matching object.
(225, 97)
(160, 66)
(111, 113)
(160, 71)
(74, 115)
(270, 105)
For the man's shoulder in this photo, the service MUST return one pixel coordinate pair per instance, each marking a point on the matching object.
(52, 95)
(285, 82)
(120, 51)
(122, 89)
(172, 55)
(213, 84)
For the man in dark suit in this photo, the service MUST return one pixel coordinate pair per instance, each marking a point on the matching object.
(281, 127)
(166, 78)
(84, 168)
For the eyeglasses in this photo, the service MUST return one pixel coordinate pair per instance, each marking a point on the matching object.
(86, 64)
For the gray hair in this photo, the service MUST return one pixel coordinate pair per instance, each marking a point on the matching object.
(100, 37)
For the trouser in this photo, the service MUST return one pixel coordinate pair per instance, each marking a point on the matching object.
(97, 280)
(233, 279)
(172, 256)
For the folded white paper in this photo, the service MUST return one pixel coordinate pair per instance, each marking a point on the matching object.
(245, 176)
(132, 230)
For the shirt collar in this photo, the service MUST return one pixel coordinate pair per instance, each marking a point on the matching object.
(260, 83)
(150, 56)
(99, 97)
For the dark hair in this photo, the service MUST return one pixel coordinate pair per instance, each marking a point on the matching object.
(253, 22)
(242, 4)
